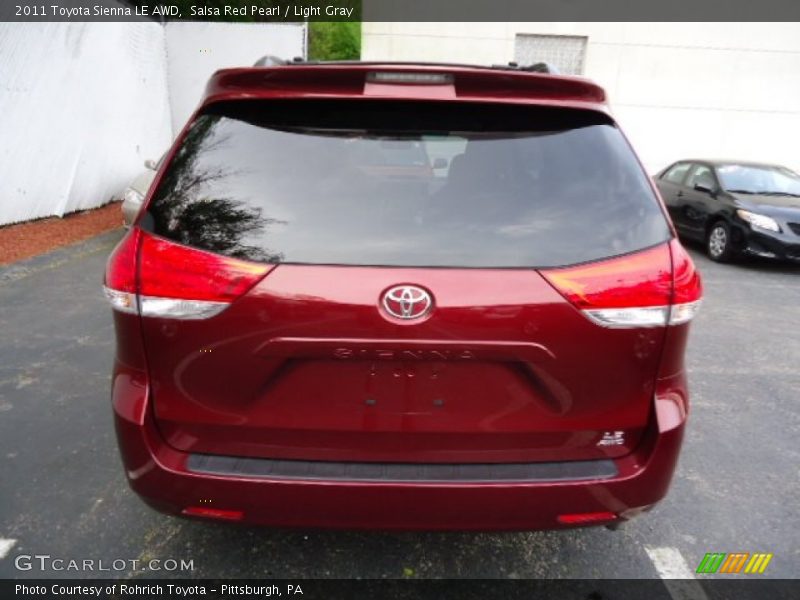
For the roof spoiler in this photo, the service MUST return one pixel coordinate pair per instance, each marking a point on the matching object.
(273, 77)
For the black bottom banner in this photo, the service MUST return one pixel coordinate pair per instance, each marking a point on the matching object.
(401, 589)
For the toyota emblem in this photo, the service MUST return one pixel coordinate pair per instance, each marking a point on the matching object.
(407, 302)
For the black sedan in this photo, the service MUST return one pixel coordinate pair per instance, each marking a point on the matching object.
(735, 208)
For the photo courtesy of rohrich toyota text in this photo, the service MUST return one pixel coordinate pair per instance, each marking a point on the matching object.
(155, 590)
(433, 299)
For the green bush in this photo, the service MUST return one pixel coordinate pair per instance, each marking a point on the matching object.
(334, 41)
(327, 40)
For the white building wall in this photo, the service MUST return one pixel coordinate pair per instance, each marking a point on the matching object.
(81, 106)
(196, 50)
(729, 90)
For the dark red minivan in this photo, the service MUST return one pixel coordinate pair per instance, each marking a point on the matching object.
(401, 296)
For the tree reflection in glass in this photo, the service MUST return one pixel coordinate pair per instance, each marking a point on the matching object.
(187, 213)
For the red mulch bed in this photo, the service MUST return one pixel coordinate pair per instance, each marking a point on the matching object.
(23, 240)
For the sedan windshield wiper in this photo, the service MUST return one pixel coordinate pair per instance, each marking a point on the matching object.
(741, 191)
(778, 194)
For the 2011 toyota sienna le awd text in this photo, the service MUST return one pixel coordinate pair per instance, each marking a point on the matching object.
(401, 296)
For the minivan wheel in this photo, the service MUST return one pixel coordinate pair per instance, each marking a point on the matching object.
(718, 242)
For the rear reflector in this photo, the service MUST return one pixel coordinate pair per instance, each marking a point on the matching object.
(213, 513)
(651, 288)
(578, 518)
(174, 281)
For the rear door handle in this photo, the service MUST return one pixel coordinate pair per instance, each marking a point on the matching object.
(680, 194)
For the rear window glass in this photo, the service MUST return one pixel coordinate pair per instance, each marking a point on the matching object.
(406, 184)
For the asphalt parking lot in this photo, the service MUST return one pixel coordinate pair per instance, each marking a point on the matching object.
(63, 492)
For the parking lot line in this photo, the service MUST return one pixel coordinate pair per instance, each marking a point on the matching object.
(5, 547)
(678, 577)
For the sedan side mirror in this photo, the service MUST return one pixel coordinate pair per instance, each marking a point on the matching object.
(705, 187)
(150, 164)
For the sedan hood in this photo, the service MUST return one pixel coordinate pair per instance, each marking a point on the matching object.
(787, 207)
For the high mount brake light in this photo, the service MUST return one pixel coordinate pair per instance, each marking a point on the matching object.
(409, 77)
(175, 281)
(651, 288)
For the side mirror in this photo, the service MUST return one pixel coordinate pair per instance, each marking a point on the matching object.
(705, 187)
(440, 163)
(150, 164)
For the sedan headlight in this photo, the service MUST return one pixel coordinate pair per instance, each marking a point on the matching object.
(760, 221)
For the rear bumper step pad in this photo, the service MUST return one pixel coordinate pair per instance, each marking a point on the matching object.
(400, 472)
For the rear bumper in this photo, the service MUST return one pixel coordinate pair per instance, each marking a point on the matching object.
(163, 477)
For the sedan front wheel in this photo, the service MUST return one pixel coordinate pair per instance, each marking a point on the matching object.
(718, 243)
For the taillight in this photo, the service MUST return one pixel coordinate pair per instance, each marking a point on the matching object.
(178, 282)
(652, 288)
(120, 280)
(688, 292)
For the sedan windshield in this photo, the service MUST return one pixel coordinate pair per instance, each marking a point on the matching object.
(759, 180)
